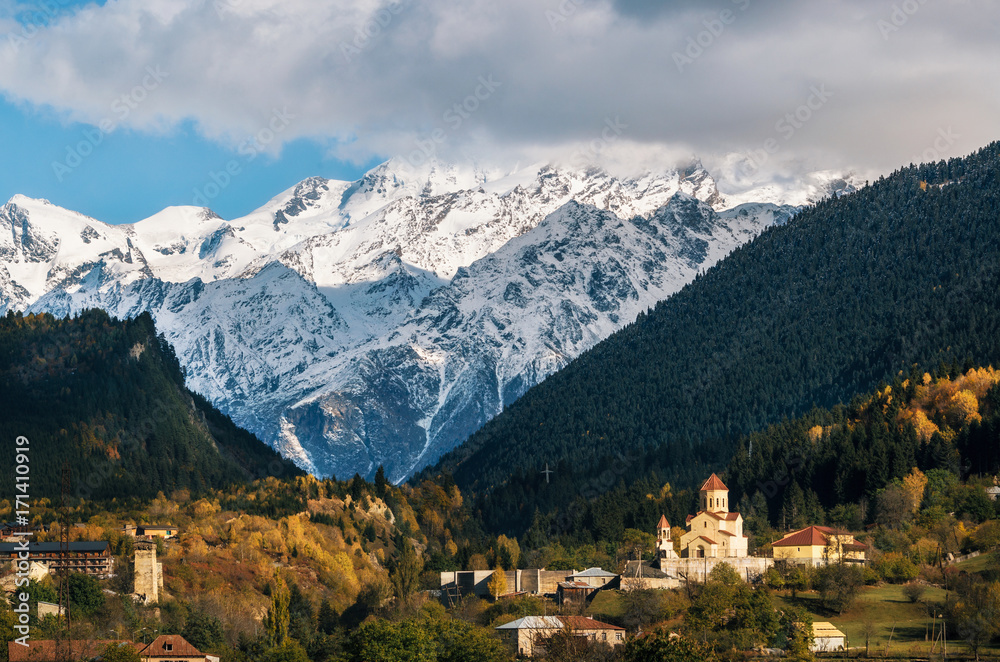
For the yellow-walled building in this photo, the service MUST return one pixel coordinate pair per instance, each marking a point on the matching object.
(819, 545)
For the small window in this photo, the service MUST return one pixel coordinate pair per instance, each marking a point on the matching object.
(168, 647)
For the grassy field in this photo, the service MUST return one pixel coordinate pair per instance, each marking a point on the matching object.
(904, 627)
(978, 564)
(606, 604)
(909, 625)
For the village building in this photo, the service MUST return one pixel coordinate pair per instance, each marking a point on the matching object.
(171, 648)
(827, 638)
(50, 609)
(165, 648)
(92, 558)
(61, 650)
(596, 577)
(574, 593)
(819, 545)
(164, 531)
(527, 636)
(714, 532)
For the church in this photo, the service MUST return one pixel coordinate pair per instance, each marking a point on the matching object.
(713, 532)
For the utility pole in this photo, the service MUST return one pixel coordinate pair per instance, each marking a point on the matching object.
(67, 486)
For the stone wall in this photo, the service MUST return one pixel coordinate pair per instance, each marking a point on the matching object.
(696, 570)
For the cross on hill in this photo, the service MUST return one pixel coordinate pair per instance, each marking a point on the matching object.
(547, 473)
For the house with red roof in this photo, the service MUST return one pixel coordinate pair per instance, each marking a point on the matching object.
(819, 545)
(714, 532)
(165, 648)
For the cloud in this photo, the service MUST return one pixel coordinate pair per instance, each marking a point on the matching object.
(519, 78)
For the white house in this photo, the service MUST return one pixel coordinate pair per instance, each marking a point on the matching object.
(827, 638)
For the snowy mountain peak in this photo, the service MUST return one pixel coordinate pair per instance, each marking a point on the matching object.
(380, 321)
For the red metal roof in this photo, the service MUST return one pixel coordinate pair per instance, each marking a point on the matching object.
(713, 483)
(584, 623)
(708, 540)
(663, 523)
(179, 647)
(50, 650)
(812, 536)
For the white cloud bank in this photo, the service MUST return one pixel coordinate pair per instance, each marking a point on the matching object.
(497, 80)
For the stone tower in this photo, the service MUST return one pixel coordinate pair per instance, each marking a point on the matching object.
(714, 496)
(664, 543)
(148, 573)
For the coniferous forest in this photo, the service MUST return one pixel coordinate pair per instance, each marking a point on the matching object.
(903, 275)
(107, 397)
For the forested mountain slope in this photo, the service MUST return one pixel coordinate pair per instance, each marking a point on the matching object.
(850, 292)
(108, 397)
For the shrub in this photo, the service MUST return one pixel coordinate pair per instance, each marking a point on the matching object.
(896, 568)
(914, 591)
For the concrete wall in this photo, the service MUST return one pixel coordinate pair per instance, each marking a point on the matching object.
(476, 582)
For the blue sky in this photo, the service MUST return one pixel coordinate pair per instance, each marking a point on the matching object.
(855, 85)
(129, 175)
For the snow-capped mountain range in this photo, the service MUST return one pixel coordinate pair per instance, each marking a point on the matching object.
(353, 324)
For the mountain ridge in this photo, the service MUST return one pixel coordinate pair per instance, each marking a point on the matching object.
(317, 298)
(848, 293)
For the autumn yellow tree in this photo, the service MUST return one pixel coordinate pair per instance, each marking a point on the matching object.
(498, 583)
(508, 552)
(914, 485)
(963, 408)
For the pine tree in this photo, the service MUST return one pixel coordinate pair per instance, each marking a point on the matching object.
(381, 484)
(327, 619)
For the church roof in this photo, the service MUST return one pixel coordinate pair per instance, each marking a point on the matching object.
(663, 523)
(713, 483)
(708, 540)
(725, 517)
